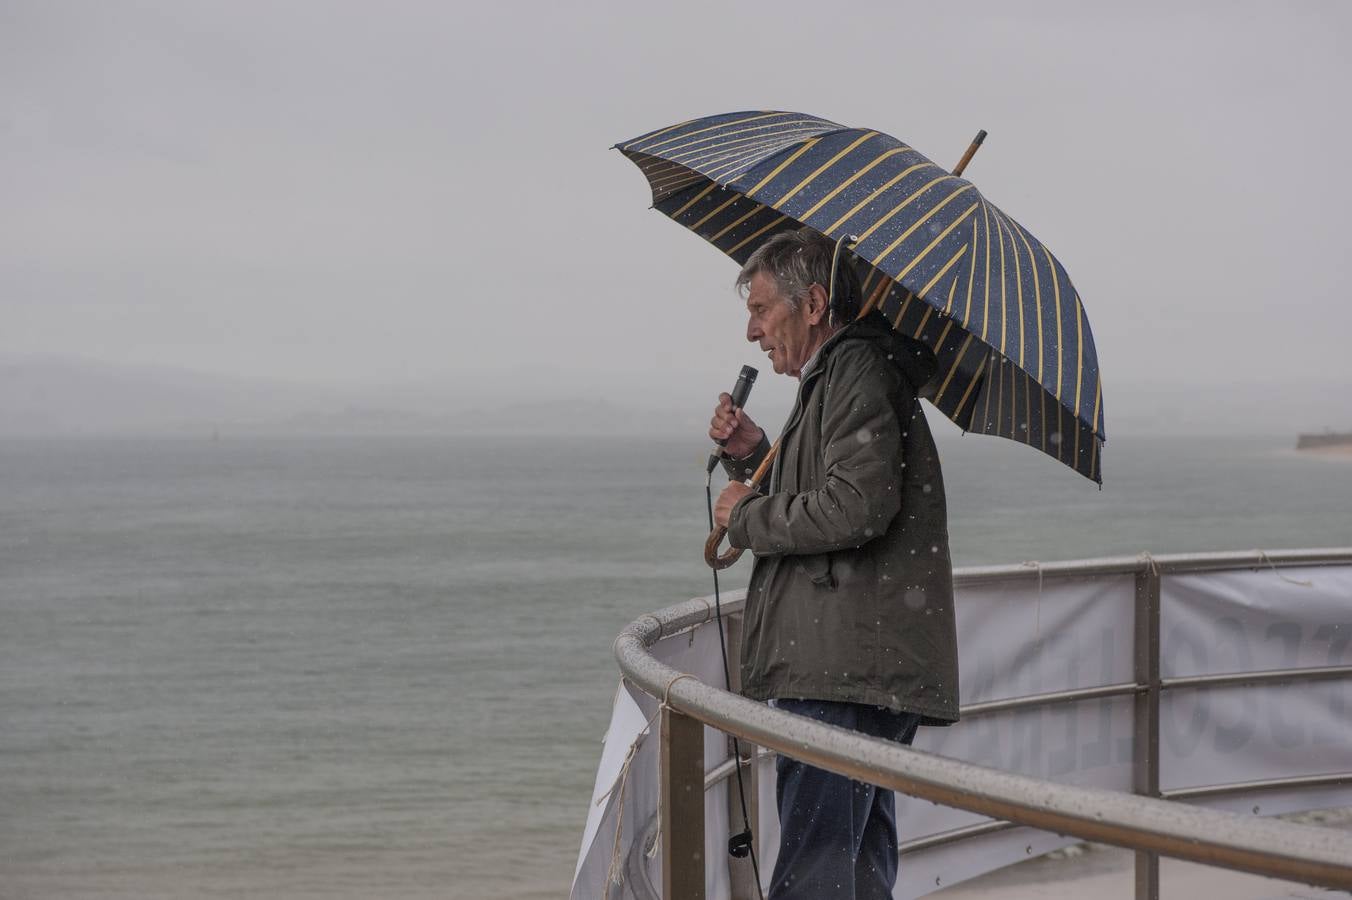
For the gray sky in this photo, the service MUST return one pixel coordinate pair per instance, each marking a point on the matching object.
(381, 193)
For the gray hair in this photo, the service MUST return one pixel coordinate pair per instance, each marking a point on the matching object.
(798, 259)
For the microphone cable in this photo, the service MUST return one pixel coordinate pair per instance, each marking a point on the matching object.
(743, 843)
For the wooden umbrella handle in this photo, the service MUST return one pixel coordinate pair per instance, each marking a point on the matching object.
(716, 562)
(716, 536)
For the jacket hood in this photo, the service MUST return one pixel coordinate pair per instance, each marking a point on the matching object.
(916, 361)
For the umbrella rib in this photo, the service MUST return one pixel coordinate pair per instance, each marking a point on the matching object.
(924, 292)
(695, 199)
(1079, 347)
(1098, 401)
(1042, 416)
(723, 165)
(730, 159)
(755, 234)
(852, 179)
(722, 206)
(823, 167)
(943, 234)
(733, 158)
(729, 163)
(1007, 228)
(971, 276)
(656, 167)
(1061, 434)
(632, 146)
(673, 177)
(1004, 308)
(890, 182)
(673, 172)
(902, 312)
(720, 141)
(954, 370)
(924, 320)
(943, 336)
(988, 376)
(905, 203)
(971, 386)
(1037, 293)
(782, 166)
(986, 282)
(1076, 458)
(1056, 293)
(648, 147)
(738, 221)
(1000, 396)
(1018, 298)
(675, 187)
(757, 143)
(1028, 409)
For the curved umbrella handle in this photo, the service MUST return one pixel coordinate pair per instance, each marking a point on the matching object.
(716, 536)
(711, 556)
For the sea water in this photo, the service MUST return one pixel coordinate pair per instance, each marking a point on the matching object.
(381, 667)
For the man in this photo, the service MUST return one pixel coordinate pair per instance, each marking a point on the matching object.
(849, 613)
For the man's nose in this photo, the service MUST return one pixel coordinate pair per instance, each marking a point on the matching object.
(753, 331)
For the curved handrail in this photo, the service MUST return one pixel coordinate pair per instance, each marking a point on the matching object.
(1261, 846)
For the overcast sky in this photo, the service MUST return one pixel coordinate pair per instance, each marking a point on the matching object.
(371, 193)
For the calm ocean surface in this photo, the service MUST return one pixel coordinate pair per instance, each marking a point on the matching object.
(381, 668)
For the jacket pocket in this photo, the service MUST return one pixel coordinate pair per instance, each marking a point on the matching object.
(819, 569)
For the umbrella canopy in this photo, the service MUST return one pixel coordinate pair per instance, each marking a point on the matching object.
(948, 267)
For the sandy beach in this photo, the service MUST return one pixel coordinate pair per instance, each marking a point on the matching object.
(1342, 452)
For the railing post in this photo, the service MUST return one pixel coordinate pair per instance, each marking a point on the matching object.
(682, 802)
(1146, 721)
(741, 874)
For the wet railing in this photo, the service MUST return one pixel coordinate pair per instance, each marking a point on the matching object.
(1146, 820)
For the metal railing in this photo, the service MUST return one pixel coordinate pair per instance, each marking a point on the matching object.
(1145, 821)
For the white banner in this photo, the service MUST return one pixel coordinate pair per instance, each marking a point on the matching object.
(1029, 636)
(1224, 622)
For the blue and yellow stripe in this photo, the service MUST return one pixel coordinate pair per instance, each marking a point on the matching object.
(948, 267)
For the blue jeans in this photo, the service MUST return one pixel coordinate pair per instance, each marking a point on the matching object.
(838, 837)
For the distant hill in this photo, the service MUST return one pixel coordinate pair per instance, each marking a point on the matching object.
(63, 397)
(54, 396)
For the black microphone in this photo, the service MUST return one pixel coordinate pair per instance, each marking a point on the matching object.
(740, 392)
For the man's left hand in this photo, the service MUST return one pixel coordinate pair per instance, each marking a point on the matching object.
(727, 500)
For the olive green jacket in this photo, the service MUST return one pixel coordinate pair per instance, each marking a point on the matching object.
(851, 597)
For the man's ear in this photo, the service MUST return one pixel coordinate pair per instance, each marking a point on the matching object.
(818, 302)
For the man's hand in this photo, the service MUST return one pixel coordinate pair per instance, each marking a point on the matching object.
(734, 426)
(728, 499)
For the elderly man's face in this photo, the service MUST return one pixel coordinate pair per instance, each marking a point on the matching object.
(786, 334)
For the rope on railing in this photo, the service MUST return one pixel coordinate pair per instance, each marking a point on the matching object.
(613, 871)
(1262, 554)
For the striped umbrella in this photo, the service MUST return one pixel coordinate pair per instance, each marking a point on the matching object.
(947, 266)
